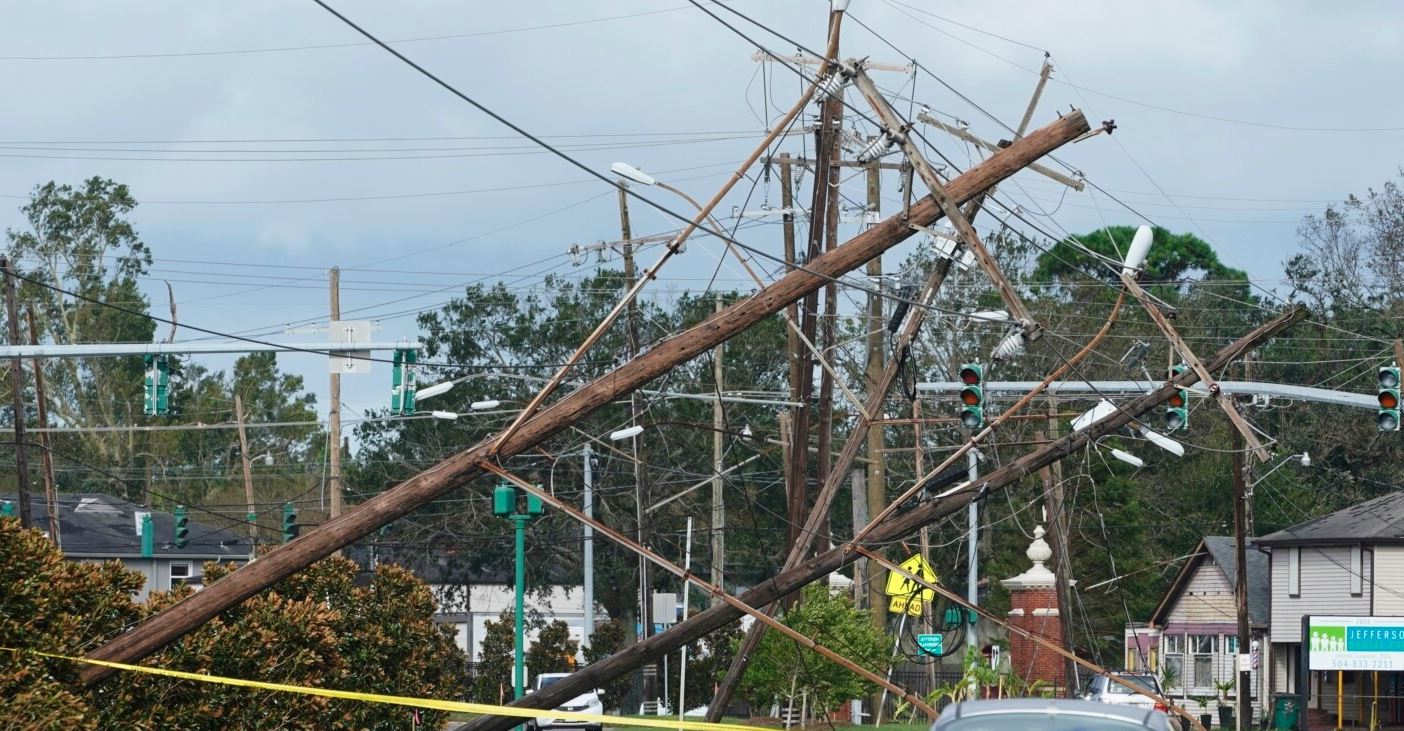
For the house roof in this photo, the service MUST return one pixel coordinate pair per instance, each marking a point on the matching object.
(1219, 551)
(457, 567)
(1374, 521)
(98, 525)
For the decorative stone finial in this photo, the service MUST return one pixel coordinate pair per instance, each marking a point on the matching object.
(1038, 576)
(1039, 552)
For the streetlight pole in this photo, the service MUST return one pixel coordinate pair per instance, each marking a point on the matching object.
(519, 611)
(589, 505)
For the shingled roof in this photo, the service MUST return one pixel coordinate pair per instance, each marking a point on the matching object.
(1374, 521)
(1219, 550)
(97, 525)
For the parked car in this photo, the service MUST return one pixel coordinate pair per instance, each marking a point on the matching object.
(1101, 689)
(584, 703)
(1048, 714)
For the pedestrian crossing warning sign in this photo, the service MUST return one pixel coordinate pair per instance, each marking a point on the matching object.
(901, 587)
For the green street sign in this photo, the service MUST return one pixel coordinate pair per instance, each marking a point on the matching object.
(930, 644)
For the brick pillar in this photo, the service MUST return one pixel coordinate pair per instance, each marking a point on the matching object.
(1033, 601)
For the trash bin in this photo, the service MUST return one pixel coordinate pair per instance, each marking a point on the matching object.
(1286, 711)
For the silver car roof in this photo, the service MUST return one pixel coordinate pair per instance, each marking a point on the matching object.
(1054, 706)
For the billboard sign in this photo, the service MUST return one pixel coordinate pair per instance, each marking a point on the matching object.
(1353, 643)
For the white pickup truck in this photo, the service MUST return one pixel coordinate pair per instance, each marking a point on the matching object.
(584, 703)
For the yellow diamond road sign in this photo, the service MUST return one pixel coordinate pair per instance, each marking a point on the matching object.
(901, 586)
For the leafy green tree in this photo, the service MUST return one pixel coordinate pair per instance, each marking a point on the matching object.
(78, 252)
(606, 640)
(553, 651)
(781, 668)
(55, 606)
(492, 677)
(319, 628)
(1172, 257)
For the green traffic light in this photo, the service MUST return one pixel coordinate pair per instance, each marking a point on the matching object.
(182, 527)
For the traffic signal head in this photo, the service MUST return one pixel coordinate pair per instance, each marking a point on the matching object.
(504, 500)
(290, 526)
(972, 396)
(182, 527)
(1387, 418)
(1177, 411)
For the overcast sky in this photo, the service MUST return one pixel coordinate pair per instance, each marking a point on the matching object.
(1245, 115)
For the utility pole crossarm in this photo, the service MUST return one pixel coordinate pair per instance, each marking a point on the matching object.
(1230, 409)
(896, 129)
(1043, 170)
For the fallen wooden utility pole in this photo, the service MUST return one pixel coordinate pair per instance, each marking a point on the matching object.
(897, 527)
(457, 470)
(712, 589)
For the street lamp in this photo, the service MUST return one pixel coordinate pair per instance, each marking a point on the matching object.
(629, 172)
(504, 505)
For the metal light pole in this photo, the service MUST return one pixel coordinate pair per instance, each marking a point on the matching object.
(589, 505)
(504, 505)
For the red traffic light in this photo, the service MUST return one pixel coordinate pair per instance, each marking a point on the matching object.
(970, 396)
(1389, 400)
(969, 375)
(1177, 399)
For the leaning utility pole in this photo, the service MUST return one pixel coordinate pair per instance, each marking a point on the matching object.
(46, 457)
(1057, 520)
(825, 150)
(334, 411)
(877, 460)
(1240, 583)
(459, 469)
(794, 478)
(718, 523)
(17, 394)
(251, 515)
(828, 321)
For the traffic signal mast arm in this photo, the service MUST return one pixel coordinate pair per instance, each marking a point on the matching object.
(893, 529)
(896, 130)
(716, 591)
(974, 440)
(1230, 409)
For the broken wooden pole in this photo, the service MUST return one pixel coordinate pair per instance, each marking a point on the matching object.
(182, 617)
(894, 528)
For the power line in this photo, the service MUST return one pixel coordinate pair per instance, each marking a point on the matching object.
(1148, 105)
(312, 47)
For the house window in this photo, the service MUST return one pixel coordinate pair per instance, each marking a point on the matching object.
(1201, 648)
(1172, 648)
(180, 573)
(1294, 571)
(1230, 644)
(1357, 577)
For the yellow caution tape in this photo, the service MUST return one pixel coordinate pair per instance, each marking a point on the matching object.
(483, 709)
